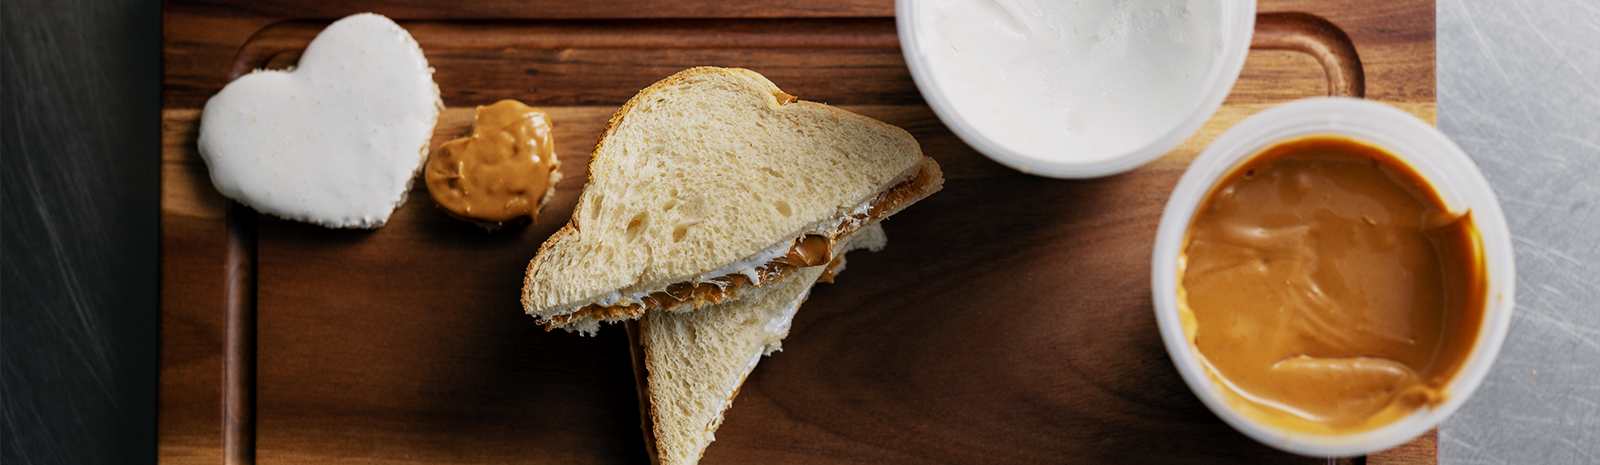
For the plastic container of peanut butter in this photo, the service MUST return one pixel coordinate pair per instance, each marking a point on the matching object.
(1333, 277)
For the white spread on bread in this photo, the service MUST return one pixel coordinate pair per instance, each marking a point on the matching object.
(615, 297)
(768, 264)
(778, 326)
(748, 265)
(335, 141)
(847, 221)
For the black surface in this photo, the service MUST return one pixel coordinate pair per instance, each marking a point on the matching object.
(81, 182)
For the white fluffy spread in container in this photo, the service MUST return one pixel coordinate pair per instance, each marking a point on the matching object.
(1072, 80)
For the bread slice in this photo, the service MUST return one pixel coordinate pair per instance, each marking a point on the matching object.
(702, 181)
(694, 362)
(335, 141)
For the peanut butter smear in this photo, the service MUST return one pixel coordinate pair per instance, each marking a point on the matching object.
(503, 172)
(1327, 289)
(808, 250)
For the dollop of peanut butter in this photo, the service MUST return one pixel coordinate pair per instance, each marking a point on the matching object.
(504, 172)
(1328, 290)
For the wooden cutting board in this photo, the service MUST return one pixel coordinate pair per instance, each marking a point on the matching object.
(1008, 321)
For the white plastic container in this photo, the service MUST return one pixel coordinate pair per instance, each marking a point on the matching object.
(1121, 115)
(1413, 141)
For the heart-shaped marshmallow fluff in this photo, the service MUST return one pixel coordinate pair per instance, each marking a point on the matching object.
(335, 141)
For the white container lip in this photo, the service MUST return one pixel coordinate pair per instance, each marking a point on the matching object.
(1237, 27)
(1424, 149)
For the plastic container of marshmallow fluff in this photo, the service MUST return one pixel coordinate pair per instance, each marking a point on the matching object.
(1074, 89)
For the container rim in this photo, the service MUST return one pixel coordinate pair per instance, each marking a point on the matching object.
(1238, 26)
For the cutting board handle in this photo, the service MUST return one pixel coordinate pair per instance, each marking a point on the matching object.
(1320, 38)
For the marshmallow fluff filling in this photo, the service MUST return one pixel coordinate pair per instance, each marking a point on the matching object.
(1080, 81)
(747, 266)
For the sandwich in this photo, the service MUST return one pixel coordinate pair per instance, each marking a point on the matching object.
(690, 364)
(713, 182)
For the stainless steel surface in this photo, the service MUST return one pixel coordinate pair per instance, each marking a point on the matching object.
(81, 182)
(1519, 90)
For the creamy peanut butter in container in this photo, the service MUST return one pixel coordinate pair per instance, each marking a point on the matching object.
(1333, 277)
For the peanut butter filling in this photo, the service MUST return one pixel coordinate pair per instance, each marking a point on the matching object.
(832, 270)
(503, 172)
(892, 200)
(1327, 289)
(808, 250)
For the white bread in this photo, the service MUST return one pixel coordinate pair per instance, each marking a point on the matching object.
(708, 173)
(696, 361)
(336, 141)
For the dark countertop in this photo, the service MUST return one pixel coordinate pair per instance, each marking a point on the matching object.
(81, 180)
(1518, 89)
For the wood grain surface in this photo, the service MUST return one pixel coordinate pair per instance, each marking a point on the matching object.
(1009, 320)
